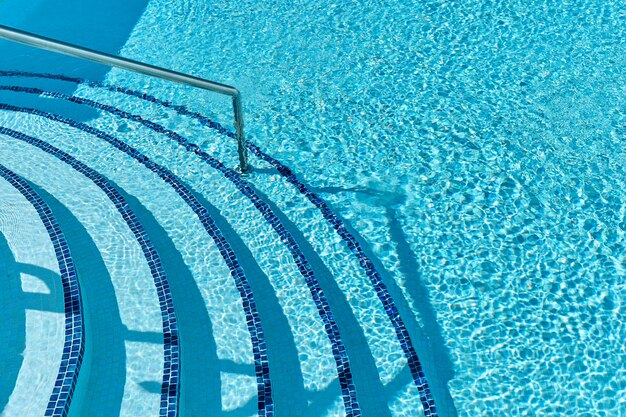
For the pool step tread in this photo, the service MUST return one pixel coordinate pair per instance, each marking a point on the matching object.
(170, 383)
(74, 345)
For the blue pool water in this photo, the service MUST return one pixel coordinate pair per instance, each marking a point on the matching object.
(434, 224)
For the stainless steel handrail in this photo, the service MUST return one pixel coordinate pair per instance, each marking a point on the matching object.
(41, 42)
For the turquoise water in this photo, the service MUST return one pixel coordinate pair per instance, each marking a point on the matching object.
(473, 150)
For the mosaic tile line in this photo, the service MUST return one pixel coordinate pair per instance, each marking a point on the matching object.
(170, 388)
(74, 344)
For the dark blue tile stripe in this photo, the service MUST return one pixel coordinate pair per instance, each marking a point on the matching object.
(265, 401)
(170, 388)
(74, 345)
(332, 330)
(336, 222)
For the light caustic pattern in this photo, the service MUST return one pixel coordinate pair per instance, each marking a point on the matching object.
(475, 148)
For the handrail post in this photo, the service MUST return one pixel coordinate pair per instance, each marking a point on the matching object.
(242, 149)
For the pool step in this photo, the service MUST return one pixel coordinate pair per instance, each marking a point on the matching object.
(260, 217)
(161, 319)
(74, 342)
(32, 307)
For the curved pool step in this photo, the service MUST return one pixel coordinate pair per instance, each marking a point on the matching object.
(170, 382)
(335, 222)
(74, 345)
(103, 382)
(332, 220)
(32, 313)
(330, 326)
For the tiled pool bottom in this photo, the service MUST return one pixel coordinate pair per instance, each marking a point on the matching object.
(350, 380)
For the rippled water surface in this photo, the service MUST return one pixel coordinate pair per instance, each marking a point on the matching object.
(474, 147)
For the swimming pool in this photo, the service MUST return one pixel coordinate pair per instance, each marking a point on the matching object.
(435, 214)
